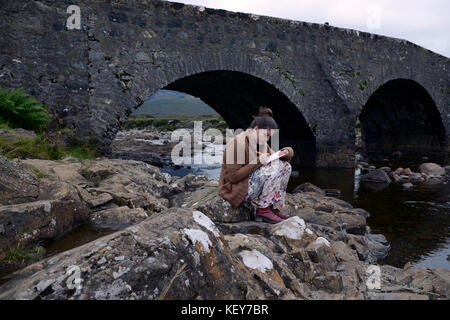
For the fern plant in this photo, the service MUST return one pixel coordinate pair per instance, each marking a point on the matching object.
(19, 110)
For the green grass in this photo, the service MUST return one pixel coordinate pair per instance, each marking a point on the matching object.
(38, 172)
(81, 152)
(4, 125)
(23, 148)
(22, 253)
(41, 148)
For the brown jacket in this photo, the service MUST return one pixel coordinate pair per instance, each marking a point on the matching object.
(233, 181)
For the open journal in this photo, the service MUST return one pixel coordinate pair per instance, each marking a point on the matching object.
(275, 156)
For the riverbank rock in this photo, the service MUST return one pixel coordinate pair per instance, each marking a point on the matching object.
(207, 200)
(200, 247)
(181, 254)
(411, 283)
(71, 191)
(117, 218)
(376, 176)
(27, 222)
(431, 169)
(18, 183)
(308, 187)
(176, 255)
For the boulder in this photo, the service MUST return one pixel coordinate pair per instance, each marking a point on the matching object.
(377, 176)
(18, 183)
(386, 169)
(406, 172)
(175, 255)
(46, 219)
(117, 218)
(431, 169)
(208, 201)
(447, 170)
(308, 187)
(407, 186)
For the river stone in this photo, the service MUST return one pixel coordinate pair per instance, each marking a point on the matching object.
(27, 222)
(160, 258)
(117, 218)
(430, 168)
(386, 169)
(308, 187)
(18, 183)
(447, 170)
(406, 172)
(208, 201)
(377, 245)
(407, 186)
(331, 282)
(377, 176)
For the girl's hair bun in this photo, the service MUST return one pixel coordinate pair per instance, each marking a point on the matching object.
(265, 112)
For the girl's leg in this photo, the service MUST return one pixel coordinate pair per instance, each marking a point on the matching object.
(272, 180)
(256, 182)
(285, 174)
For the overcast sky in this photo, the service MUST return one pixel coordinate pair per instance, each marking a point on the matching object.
(425, 23)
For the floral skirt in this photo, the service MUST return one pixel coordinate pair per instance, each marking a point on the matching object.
(267, 185)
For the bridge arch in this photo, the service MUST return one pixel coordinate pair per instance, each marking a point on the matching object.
(236, 96)
(401, 115)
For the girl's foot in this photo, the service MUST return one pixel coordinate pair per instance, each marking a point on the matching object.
(280, 214)
(267, 215)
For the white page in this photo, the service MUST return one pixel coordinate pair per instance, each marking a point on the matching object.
(275, 156)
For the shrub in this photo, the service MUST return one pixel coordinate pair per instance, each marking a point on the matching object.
(19, 110)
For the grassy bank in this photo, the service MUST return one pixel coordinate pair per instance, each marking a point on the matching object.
(40, 148)
(20, 110)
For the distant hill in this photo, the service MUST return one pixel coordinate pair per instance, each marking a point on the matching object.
(166, 103)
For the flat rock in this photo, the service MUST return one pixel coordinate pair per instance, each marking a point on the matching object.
(45, 219)
(117, 218)
(433, 169)
(18, 183)
(377, 176)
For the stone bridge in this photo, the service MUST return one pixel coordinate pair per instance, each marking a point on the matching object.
(317, 78)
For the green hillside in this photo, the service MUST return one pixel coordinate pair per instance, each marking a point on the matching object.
(167, 103)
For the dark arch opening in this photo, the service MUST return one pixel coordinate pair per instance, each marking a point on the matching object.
(401, 116)
(236, 96)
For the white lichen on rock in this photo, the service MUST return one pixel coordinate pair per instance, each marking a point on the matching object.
(196, 235)
(256, 260)
(322, 240)
(206, 222)
(47, 206)
(292, 228)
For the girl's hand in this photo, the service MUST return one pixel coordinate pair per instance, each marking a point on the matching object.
(284, 154)
(263, 158)
(288, 153)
